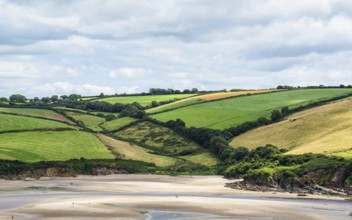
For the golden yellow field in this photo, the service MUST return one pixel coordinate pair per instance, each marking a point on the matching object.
(326, 129)
(223, 95)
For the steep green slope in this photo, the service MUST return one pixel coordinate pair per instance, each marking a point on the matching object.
(231, 112)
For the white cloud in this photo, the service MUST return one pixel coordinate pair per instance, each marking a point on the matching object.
(69, 88)
(173, 44)
(129, 73)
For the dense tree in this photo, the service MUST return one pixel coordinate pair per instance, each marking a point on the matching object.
(46, 100)
(64, 97)
(276, 115)
(54, 99)
(18, 98)
(285, 111)
(3, 99)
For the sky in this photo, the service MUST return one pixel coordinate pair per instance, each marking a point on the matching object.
(128, 46)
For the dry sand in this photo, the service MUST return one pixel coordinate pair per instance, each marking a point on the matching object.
(156, 197)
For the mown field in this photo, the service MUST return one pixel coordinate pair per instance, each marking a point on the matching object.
(203, 98)
(234, 111)
(143, 100)
(90, 121)
(118, 123)
(133, 152)
(63, 145)
(15, 122)
(158, 137)
(326, 129)
(42, 113)
(205, 158)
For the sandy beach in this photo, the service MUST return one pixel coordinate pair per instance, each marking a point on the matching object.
(157, 197)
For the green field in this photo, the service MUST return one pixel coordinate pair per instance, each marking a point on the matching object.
(158, 137)
(326, 129)
(143, 100)
(14, 122)
(64, 145)
(118, 123)
(174, 105)
(90, 121)
(203, 98)
(133, 152)
(43, 113)
(231, 112)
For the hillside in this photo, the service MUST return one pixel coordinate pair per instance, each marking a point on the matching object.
(144, 100)
(203, 98)
(234, 111)
(326, 129)
(158, 138)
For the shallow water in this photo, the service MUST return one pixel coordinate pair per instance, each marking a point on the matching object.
(172, 215)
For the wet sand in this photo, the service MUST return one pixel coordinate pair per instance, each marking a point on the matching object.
(157, 197)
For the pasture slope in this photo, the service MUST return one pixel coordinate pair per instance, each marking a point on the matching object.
(90, 121)
(234, 111)
(158, 138)
(144, 100)
(326, 129)
(117, 123)
(52, 145)
(129, 151)
(204, 98)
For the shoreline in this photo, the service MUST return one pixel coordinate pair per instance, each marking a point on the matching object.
(139, 196)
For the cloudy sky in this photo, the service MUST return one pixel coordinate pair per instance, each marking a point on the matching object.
(114, 46)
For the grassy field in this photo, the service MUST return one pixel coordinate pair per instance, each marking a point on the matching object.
(234, 111)
(158, 137)
(86, 112)
(118, 123)
(205, 158)
(326, 129)
(90, 121)
(43, 113)
(203, 98)
(64, 145)
(143, 100)
(14, 122)
(134, 152)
